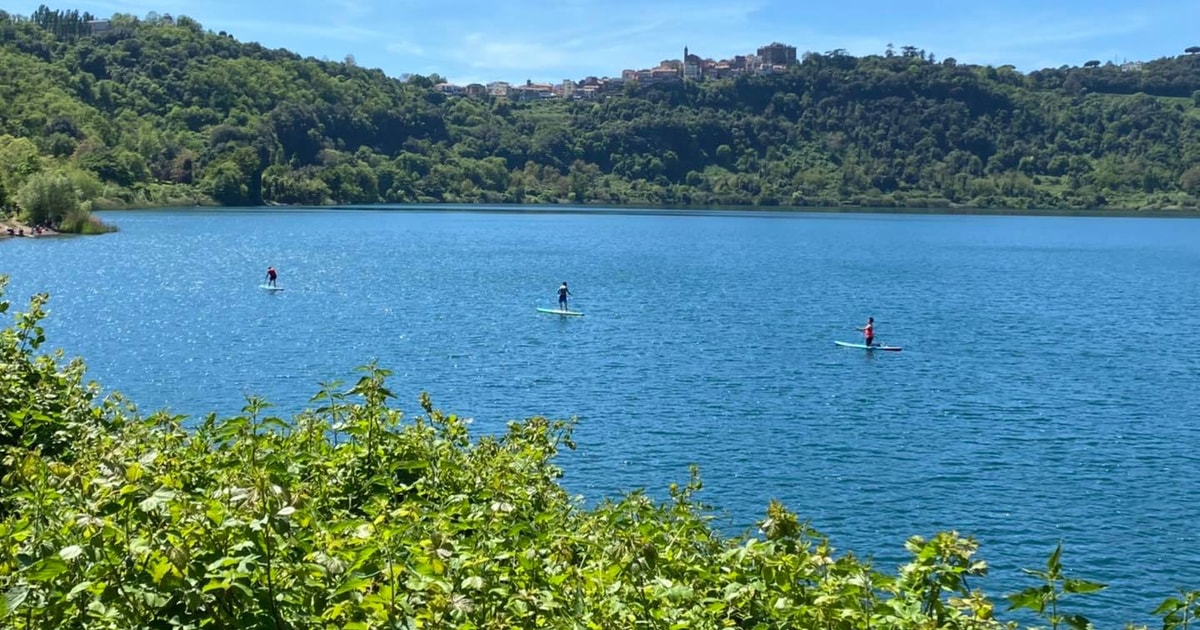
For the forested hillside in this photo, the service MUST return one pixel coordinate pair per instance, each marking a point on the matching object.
(162, 111)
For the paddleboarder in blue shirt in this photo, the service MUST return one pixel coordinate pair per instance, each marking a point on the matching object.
(563, 292)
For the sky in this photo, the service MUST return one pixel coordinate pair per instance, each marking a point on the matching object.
(469, 41)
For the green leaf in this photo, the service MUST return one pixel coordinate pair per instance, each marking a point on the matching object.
(1033, 598)
(134, 472)
(220, 563)
(1054, 563)
(48, 569)
(1074, 585)
(213, 586)
(1169, 605)
(474, 582)
(79, 588)
(352, 584)
(13, 598)
(160, 568)
(156, 501)
(70, 552)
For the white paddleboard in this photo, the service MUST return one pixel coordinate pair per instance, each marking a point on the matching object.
(555, 311)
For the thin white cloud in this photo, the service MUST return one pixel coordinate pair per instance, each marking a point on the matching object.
(337, 32)
(1051, 29)
(1034, 41)
(603, 41)
(405, 48)
(354, 8)
(480, 50)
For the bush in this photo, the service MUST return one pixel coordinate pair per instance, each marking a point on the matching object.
(80, 221)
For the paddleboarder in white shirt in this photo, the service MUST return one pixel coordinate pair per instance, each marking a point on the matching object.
(563, 292)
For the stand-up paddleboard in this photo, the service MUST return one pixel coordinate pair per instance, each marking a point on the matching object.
(555, 311)
(863, 346)
(269, 289)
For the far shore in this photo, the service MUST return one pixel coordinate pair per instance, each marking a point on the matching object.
(647, 209)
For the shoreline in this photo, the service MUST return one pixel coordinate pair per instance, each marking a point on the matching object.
(21, 230)
(550, 208)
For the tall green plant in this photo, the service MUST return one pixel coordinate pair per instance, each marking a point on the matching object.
(1180, 613)
(1045, 598)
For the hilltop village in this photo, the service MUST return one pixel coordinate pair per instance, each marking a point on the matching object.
(774, 57)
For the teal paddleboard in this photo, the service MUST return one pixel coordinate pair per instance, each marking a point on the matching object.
(863, 346)
(555, 311)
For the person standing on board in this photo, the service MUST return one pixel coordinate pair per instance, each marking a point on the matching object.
(868, 331)
(563, 292)
(271, 276)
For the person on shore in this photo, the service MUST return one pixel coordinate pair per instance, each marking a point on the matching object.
(868, 332)
(271, 276)
(563, 292)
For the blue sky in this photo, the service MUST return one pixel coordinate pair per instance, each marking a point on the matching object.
(547, 41)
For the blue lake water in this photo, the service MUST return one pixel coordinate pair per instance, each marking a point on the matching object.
(1047, 389)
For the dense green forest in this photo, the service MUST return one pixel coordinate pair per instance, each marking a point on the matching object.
(160, 111)
(355, 516)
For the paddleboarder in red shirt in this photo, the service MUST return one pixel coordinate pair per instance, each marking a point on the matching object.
(868, 331)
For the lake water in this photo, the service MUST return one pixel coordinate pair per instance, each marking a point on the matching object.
(1046, 391)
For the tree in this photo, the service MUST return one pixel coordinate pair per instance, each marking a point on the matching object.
(226, 183)
(724, 155)
(19, 159)
(46, 198)
(1092, 63)
(1190, 181)
(121, 166)
(1191, 50)
(1072, 85)
(299, 131)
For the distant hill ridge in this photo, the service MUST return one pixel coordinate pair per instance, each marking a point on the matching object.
(158, 111)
